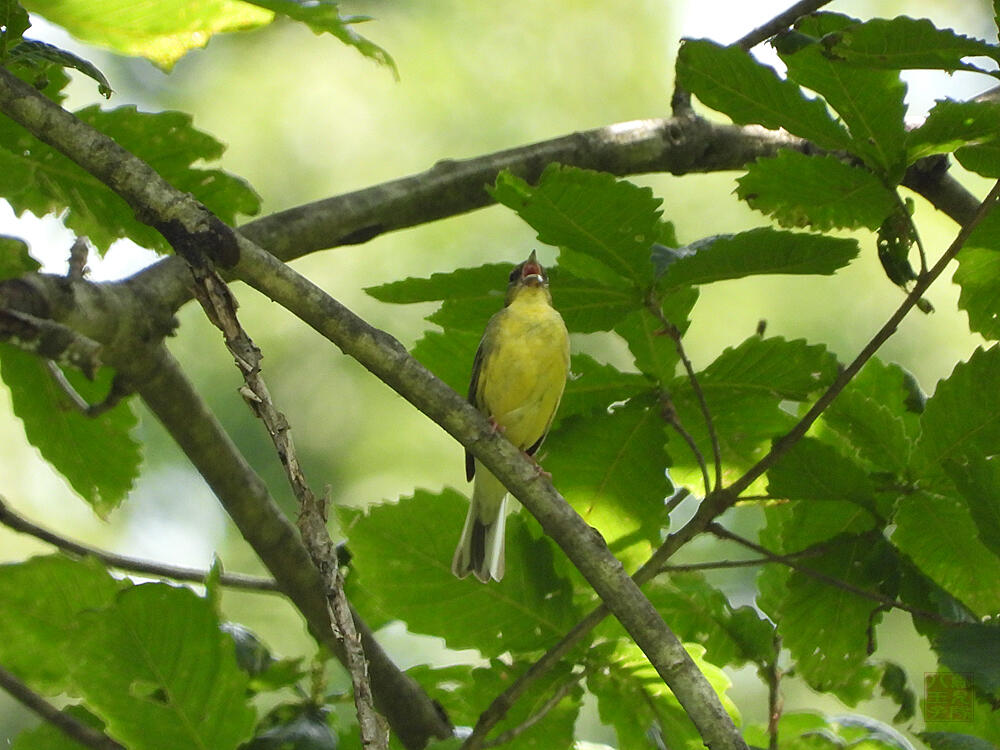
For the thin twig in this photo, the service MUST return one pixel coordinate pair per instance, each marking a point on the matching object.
(779, 23)
(724, 533)
(675, 335)
(524, 726)
(220, 307)
(65, 723)
(669, 414)
(775, 703)
(19, 523)
(727, 564)
(784, 443)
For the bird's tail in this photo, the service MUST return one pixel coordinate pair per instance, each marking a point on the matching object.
(481, 549)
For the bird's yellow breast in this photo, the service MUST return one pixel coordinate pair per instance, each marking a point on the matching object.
(525, 367)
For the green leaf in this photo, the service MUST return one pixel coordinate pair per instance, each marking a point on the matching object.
(14, 21)
(978, 481)
(744, 388)
(632, 698)
(978, 270)
(963, 416)
(938, 534)
(821, 192)
(983, 159)
(729, 80)
(39, 55)
(42, 600)
(611, 467)
(902, 42)
(162, 33)
(870, 102)
(593, 387)
(874, 418)
(449, 356)
(588, 305)
(757, 251)
(467, 692)
(950, 125)
(895, 686)
(972, 649)
(697, 612)
(655, 352)
(488, 280)
(323, 17)
(613, 221)
(158, 670)
(97, 455)
(35, 177)
(813, 470)
(14, 258)
(824, 626)
(529, 610)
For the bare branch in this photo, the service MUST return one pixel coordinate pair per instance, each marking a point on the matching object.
(780, 22)
(536, 717)
(68, 725)
(17, 522)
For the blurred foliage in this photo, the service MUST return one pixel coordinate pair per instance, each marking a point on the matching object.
(893, 493)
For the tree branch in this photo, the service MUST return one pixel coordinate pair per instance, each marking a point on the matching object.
(68, 725)
(19, 523)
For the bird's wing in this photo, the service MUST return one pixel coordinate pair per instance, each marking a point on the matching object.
(485, 345)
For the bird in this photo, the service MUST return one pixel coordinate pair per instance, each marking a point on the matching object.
(518, 377)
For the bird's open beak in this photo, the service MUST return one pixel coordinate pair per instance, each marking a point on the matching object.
(531, 272)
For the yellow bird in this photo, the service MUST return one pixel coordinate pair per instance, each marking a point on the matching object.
(518, 378)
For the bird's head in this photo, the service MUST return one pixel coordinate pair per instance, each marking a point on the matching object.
(527, 275)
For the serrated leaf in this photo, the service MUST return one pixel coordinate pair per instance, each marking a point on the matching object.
(951, 125)
(323, 17)
(463, 283)
(873, 416)
(613, 221)
(824, 626)
(449, 356)
(14, 21)
(14, 258)
(894, 685)
(97, 455)
(821, 192)
(870, 102)
(42, 600)
(162, 33)
(633, 699)
(978, 270)
(529, 609)
(588, 305)
(159, 671)
(729, 80)
(902, 42)
(743, 389)
(978, 481)
(972, 649)
(697, 612)
(467, 692)
(963, 416)
(35, 177)
(757, 251)
(611, 467)
(813, 470)
(593, 387)
(939, 536)
(655, 352)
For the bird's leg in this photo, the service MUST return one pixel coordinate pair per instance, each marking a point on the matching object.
(539, 471)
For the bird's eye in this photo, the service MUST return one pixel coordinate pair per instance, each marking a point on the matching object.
(515, 274)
